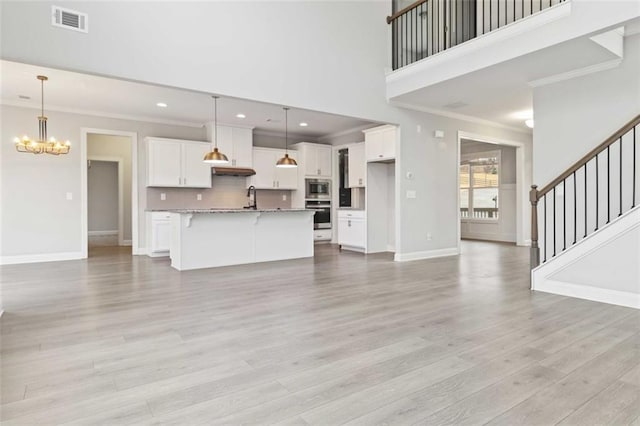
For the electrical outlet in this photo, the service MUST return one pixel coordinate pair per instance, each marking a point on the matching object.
(284, 197)
(199, 197)
(163, 196)
(419, 128)
(411, 194)
(429, 237)
(69, 196)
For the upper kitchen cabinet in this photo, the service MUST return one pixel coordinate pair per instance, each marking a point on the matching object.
(268, 176)
(234, 142)
(380, 143)
(177, 163)
(314, 159)
(357, 166)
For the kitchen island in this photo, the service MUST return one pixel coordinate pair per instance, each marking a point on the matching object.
(223, 237)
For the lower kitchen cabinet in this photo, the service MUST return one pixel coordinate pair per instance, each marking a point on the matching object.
(158, 234)
(322, 235)
(352, 230)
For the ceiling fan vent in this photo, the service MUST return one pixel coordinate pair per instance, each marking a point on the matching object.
(69, 19)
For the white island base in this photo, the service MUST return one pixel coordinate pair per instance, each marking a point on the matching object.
(211, 238)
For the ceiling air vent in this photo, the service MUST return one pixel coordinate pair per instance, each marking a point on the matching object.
(69, 19)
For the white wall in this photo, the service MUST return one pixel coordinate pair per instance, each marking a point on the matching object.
(325, 56)
(574, 116)
(115, 146)
(34, 187)
(102, 194)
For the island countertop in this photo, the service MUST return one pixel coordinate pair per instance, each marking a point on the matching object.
(229, 210)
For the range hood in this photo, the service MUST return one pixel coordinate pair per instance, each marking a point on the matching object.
(232, 171)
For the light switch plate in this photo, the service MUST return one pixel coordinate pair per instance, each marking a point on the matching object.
(199, 197)
(284, 197)
(69, 196)
(411, 194)
(163, 196)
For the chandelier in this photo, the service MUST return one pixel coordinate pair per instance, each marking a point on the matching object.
(42, 144)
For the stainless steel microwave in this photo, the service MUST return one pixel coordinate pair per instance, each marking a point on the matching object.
(318, 189)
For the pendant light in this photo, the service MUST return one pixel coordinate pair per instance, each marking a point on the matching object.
(286, 161)
(42, 144)
(215, 156)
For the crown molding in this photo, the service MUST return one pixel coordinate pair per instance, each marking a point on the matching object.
(103, 114)
(263, 132)
(458, 116)
(355, 129)
(556, 78)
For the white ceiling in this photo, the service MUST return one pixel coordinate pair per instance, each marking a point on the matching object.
(503, 93)
(96, 95)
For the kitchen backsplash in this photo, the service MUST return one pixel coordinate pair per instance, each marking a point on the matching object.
(226, 192)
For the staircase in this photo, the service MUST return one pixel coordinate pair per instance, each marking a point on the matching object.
(585, 225)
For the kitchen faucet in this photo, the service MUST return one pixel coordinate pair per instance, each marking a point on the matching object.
(253, 198)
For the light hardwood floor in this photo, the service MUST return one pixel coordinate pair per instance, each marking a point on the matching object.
(341, 338)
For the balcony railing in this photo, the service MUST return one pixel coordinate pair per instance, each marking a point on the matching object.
(427, 27)
(490, 213)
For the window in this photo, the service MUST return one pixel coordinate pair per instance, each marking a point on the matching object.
(479, 185)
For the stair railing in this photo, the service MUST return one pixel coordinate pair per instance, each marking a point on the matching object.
(600, 186)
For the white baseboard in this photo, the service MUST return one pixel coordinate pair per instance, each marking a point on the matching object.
(504, 238)
(1, 313)
(127, 243)
(614, 297)
(351, 248)
(429, 254)
(102, 233)
(36, 258)
(140, 251)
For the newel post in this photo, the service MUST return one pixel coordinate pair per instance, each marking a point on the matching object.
(535, 250)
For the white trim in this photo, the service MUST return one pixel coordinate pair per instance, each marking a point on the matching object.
(355, 129)
(85, 131)
(500, 237)
(521, 182)
(260, 132)
(427, 254)
(614, 297)
(575, 73)
(1, 312)
(119, 162)
(458, 116)
(127, 243)
(93, 113)
(37, 258)
(103, 233)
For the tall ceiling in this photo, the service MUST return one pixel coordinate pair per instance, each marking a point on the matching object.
(97, 95)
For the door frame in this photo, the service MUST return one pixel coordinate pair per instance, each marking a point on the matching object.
(522, 204)
(119, 161)
(84, 214)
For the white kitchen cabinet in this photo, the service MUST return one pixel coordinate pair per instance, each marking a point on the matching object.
(158, 233)
(380, 143)
(352, 230)
(322, 235)
(315, 159)
(177, 163)
(268, 176)
(357, 166)
(236, 143)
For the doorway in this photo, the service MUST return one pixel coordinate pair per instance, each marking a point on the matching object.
(491, 190)
(105, 201)
(109, 182)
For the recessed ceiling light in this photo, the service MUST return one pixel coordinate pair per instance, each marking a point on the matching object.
(303, 124)
(240, 115)
(529, 123)
(161, 105)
